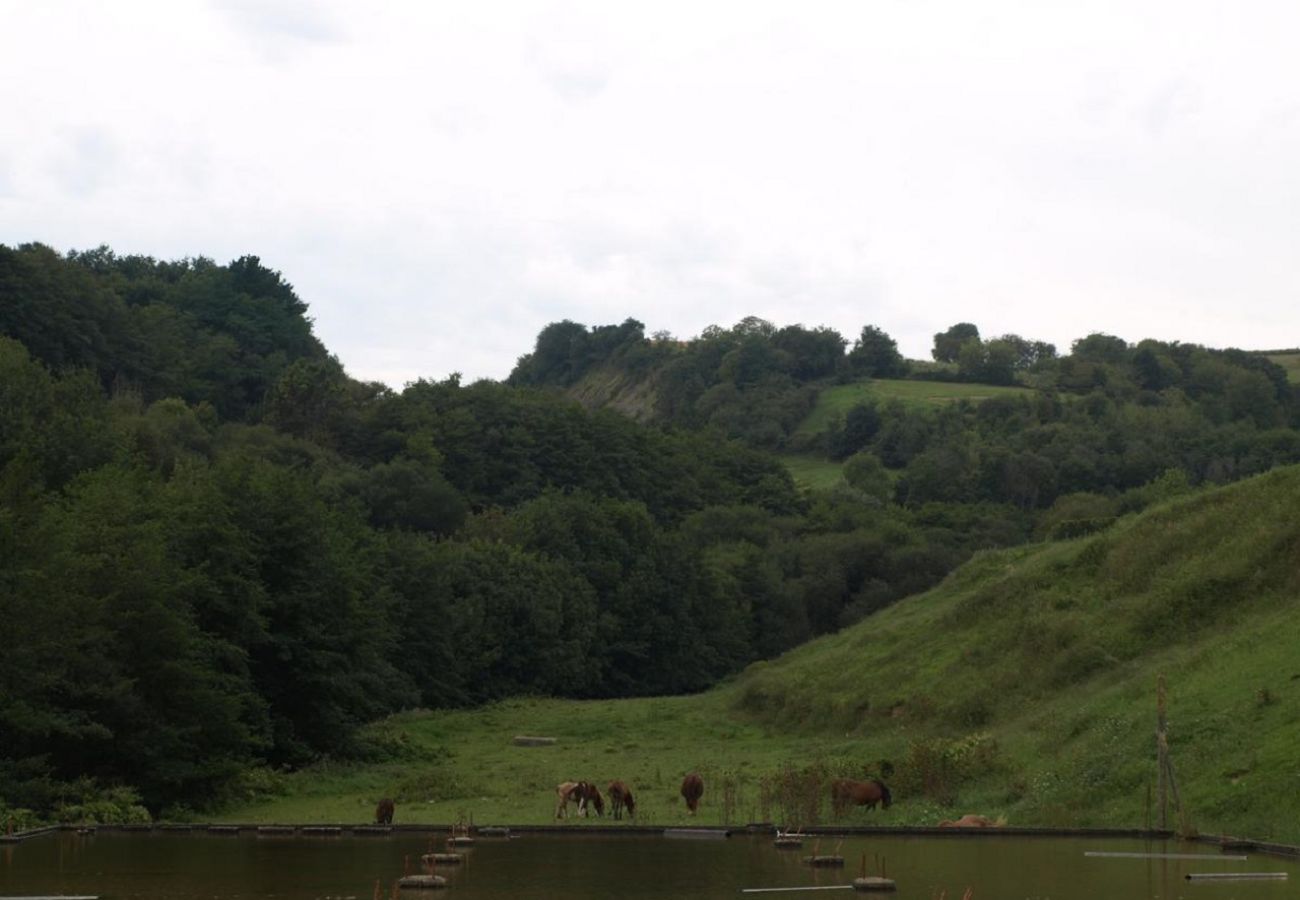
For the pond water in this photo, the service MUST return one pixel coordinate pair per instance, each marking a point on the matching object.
(202, 866)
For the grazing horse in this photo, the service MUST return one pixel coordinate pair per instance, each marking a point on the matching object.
(859, 793)
(692, 791)
(970, 820)
(583, 793)
(620, 795)
(384, 812)
(566, 792)
(590, 796)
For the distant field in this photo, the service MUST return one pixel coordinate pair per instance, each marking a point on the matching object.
(836, 401)
(812, 471)
(1288, 361)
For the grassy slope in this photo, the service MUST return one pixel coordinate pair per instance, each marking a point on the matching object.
(1050, 651)
(812, 471)
(1288, 361)
(837, 400)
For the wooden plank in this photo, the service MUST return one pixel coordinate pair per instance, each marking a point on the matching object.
(1210, 857)
(1236, 876)
(528, 740)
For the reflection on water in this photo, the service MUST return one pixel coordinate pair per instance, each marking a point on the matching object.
(190, 866)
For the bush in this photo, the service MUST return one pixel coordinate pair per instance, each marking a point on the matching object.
(93, 805)
(939, 767)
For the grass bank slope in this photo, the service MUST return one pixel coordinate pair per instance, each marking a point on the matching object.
(1025, 683)
(1022, 687)
(838, 400)
(1289, 360)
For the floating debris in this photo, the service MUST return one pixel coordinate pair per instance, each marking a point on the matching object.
(874, 883)
(421, 882)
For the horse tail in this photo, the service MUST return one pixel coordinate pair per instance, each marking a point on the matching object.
(886, 797)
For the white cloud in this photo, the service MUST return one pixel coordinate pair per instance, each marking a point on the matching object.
(439, 181)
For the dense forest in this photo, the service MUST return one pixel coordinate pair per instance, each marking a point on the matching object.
(220, 552)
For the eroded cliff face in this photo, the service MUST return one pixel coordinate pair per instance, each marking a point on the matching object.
(606, 387)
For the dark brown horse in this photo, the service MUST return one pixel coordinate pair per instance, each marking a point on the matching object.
(620, 795)
(384, 812)
(692, 791)
(589, 797)
(859, 793)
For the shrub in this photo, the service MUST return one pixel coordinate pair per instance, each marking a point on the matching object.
(939, 767)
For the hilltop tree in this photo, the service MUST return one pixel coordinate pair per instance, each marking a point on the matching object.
(1099, 347)
(811, 353)
(875, 354)
(947, 344)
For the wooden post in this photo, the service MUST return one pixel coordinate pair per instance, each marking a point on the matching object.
(1162, 755)
(1147, 821)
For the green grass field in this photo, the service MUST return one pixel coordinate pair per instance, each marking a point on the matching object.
(837, 400)
(813, 471)
(1288, 361)
(1021, 687)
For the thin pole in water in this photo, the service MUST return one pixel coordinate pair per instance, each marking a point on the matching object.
(819, 887)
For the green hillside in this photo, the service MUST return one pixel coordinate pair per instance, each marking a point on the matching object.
(1053, 652)
(836, 401)
(1022, 687)
(1288, 360)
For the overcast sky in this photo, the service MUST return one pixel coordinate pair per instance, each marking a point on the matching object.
(439, 180)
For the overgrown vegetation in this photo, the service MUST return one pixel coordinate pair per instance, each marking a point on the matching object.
(1023, 688)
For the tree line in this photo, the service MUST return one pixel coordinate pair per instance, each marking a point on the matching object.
(231, 554)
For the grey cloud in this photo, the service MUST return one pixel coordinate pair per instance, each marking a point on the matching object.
(571, 56)
(87, 160)
(278, 27)
(1179, 99)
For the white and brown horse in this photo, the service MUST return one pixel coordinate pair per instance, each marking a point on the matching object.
(583, 793)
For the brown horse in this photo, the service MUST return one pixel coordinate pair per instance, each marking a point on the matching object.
(620, 795)
(590, 796)
(692, 791)
(970, 820)
(384, 812)
(859, 793)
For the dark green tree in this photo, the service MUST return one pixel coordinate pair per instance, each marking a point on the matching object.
(947, 344)
(875, 355)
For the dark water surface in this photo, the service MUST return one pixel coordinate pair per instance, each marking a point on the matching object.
(202, 866)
